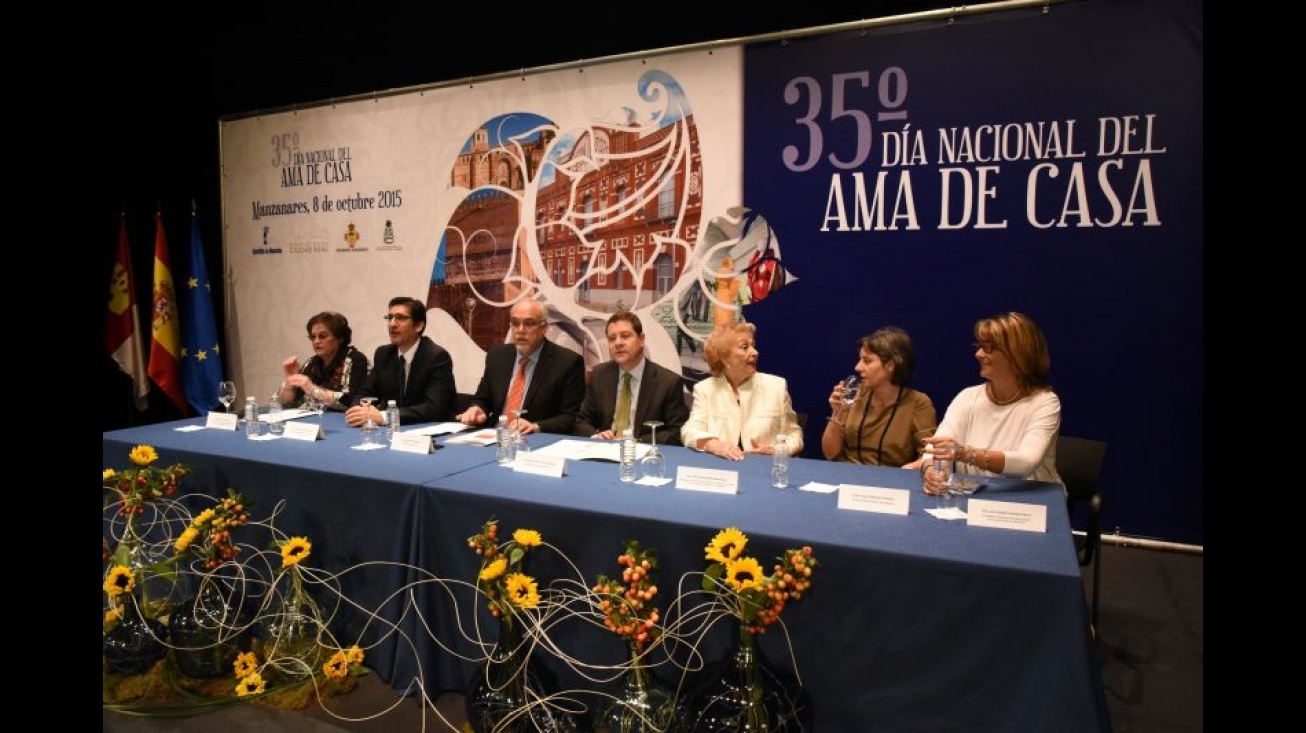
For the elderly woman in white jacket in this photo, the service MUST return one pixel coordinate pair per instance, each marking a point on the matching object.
(739, 410)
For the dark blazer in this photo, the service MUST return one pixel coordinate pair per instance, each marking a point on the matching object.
(429, 396)
(553, 395)
(661, 397)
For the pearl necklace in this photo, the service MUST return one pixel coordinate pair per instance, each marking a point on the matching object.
(988, 388)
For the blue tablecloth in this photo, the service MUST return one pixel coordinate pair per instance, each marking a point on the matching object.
(914, 623)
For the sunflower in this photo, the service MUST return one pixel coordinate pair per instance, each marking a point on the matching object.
(120, 580)
(245, 665)
(109, 473)
(143, 455)
(336, 667)
(295, 549)
(251, 684)
(526, 537)
(744, 573)
(188, 535)
(522, 590)
(354, 655)
(494, 569)
(726, 546)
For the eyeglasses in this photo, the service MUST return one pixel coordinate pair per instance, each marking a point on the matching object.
(986, 346)
(525, 323)
(396, 317)
(319, 336)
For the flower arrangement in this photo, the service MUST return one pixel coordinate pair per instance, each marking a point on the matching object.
(506, 588)
(214, 525)
(627, 604)
(756, 598)
(137, 486)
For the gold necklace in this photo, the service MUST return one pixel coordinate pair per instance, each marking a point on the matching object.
(1020, 393)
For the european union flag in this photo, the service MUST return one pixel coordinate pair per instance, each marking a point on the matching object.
(201, 356)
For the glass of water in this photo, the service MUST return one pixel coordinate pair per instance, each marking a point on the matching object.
(851, 384)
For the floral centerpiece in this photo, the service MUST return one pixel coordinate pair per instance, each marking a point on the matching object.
(135, 487)
(212, 527)
(641, 703)
(505, 587)
(743, 692)
(755, 597)
(627, 605)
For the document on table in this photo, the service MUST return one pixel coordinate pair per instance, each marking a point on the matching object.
(591, 450)
(283, 415)
(484, 436)
(443, 428)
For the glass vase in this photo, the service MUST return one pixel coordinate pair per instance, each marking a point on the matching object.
(206, 630)
(744, 692)
(292, 640)
(135, 642)
(642, 704)
(505, 693)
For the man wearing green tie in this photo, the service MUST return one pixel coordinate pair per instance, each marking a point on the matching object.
(630, 390)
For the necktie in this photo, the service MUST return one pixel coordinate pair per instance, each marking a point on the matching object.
(516, 391)
(403, 377)
(622, 420)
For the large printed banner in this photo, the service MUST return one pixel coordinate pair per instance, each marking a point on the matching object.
(932, 174)
(922, 175)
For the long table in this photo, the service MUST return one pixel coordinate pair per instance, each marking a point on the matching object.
(914, 623)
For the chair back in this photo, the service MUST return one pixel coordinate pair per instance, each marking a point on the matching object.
(1079, 461)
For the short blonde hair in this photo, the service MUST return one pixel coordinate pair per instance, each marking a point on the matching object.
(722, 340)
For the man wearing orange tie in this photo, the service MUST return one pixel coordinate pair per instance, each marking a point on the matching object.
(533, 374)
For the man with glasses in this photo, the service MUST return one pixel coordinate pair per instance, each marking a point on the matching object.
(533, 374)
(411, 370)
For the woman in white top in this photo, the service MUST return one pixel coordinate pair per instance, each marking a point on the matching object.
(1008, 425)
(739, 410)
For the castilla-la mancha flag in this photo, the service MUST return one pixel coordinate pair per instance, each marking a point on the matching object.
(122, 322)
(165, 346)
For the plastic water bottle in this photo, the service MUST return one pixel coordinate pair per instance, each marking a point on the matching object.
(506, 447)
(627, 471)
(391, 420)
(251, 418)
(276, 427)
(780, 463)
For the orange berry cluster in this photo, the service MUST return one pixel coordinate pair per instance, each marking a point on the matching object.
(229, 514)
(487, 542)
(628, 609)
(791, 579)
(137, 487)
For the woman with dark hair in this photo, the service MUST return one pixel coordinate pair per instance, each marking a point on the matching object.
(880, 425)
(1008, 425)
(335, 369)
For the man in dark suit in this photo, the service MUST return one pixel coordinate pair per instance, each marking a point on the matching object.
(656, 393)
(411, 370)
(547, 379)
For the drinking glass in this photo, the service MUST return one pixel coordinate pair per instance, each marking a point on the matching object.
(850, 385)
(369, 427)
(226, 394)
(518, 437)
(653, 464)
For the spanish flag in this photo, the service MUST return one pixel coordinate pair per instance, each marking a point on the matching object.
(165, 346)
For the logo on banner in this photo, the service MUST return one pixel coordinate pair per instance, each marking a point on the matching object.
(388, 237)
(267, 248)
(351, 237)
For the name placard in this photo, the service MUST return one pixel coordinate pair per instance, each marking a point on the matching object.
(874, 499)
(1007, 515)
(411, 443)
(306, 430)
(222, 420)
(714, 480)
(540, 464)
